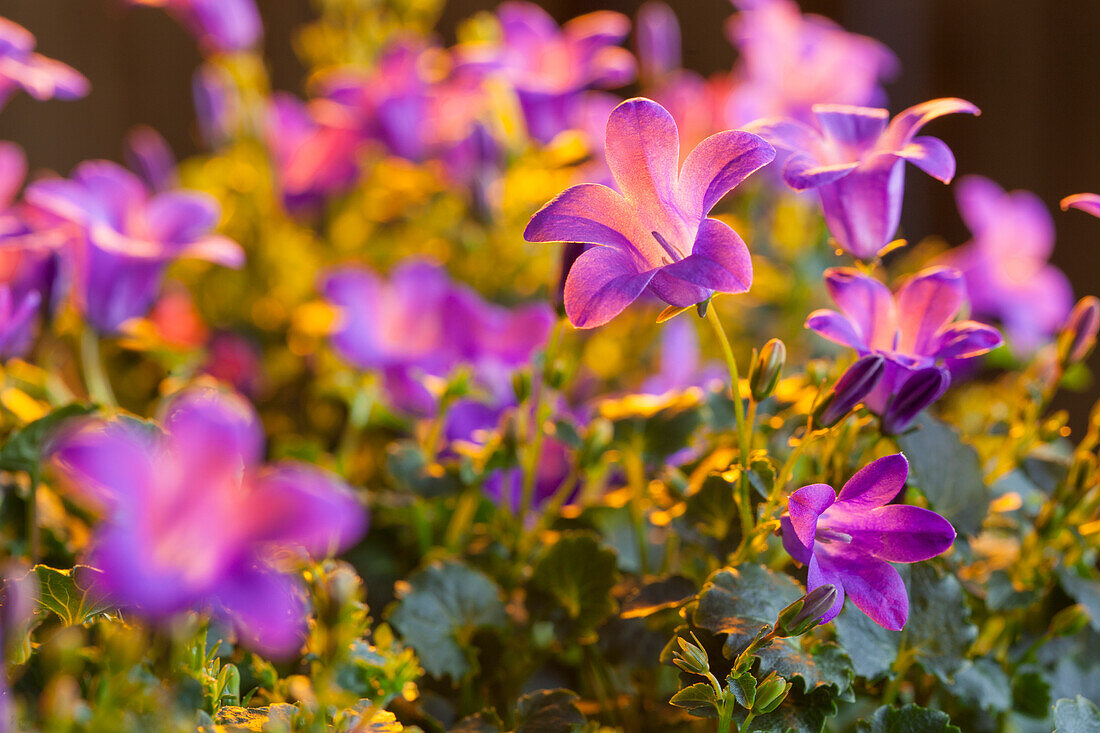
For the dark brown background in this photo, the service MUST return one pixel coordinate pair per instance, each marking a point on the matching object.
(1033, 66)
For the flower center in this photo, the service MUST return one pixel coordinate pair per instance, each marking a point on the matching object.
(826, 535)
(673, 254)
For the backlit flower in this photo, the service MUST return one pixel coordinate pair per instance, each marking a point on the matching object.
(655, 235)
(854, 157)
(192, 518)
(850, 540)
(1086, 202)
(912, 329)
(219, 25)
(1005, 265)
(38, 76)
(125, 238)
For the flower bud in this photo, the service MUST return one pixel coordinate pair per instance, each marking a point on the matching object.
(851, 389)
(521, 385)
(1069, 621)
(767, 369)
(805, 613)
(919, 391)
(1078, 336)
(691, 658)
(770, 693)
(658, 40)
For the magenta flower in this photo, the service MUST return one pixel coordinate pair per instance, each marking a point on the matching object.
(850, 540)
(419, 324)
(1005, 265)
(38, 76)
(126, 238)
(913, 329)
(656, 235)
(549, 66)
(192, 519)
(788, 62)
(219, 25)
(1086, 202)
(854, 157)
(314, 150)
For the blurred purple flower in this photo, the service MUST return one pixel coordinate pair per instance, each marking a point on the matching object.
(314, 150)
(29, 267)
(680, 365)
(1078, 336)
(850, 540)
(550, 66)
(419, 323)
(234, 360)
(38, 76)
(656, 235)
(922, 388)
(192, 519)
(151, 158)
(1086, 202)
(854, 157)
(657, 36)
(126, 238)
(1005, 265)
(217, 104)
(912, 329)
(219, 25)
(788, 62)
(18, 598)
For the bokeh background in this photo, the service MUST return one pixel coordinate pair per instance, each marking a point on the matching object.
(1033, 66)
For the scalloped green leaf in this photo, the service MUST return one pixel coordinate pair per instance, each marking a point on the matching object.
(939, 629)
(907, 719)
(948, 472)
(1078, 715)
(549, 711)
(70, 594)
(23, 449)
(572, 582)
(441, 608)
(699, 699)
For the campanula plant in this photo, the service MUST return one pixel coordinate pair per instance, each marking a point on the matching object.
(588, 509)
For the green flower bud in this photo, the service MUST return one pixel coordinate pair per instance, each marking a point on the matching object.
(770, 694)
(691, 658)
(767, 369)
(805, 613)
(1069, 621)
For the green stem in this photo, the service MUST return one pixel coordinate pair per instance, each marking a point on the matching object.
(635, 473)
(746, 724)
(463, 515)
(725, 715)
(744, 439)
(33, 536)
(99, 387)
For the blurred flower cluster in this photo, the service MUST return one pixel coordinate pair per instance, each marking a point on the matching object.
(497, 386)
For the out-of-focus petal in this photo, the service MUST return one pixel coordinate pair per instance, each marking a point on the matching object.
(801, 172)
(908, 123)
(217, 426)
(787, 134)
(931, 155)
(13, 169)
(658, 39)
(104, 463)
(602, 282)
(149, 155)
(267, 610)
(178, 217)
(1087, 202)
(966, 339)
(217, 249)
(295, 503)
(978, 199)
(854, 128)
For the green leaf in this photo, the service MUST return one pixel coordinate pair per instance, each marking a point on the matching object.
(70, 594)
(939, 628)
(1031, 693)
(872, 648)
(441, 608)
(700, 700)
(548, 711)
(657, 596)
(744, 599)
(487, 721)
(571, 584)
(948, 472)
(1076, 716)
(743, 688)
(1084, 590)
(409, 467)
(982, 684)
(907, 719)
(23, 449)
(740, 601)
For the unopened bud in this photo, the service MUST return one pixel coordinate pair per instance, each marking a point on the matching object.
(691, 658)
(1078, 336)
(1069, 621)
(920, 390)
(851, 389)
(767, 369)
(805, 613)
(770, 693)
(521, 386)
